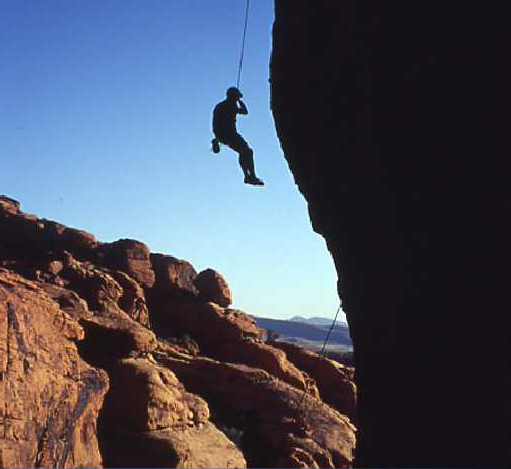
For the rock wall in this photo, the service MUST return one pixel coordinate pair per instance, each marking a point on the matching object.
(112, 355)
(394, 119)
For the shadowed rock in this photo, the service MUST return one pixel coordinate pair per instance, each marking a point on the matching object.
(129, 256)
(133, 300)
(213, 287)
(174, 278)
(394, 119)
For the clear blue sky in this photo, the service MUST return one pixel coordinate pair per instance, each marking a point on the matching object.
(105, 125)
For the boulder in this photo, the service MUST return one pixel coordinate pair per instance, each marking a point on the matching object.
(174, 278)
(158, 423)
(50, 396)
(213, 287)
(131, 257)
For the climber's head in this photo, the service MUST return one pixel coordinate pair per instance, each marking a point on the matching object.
(234, 93)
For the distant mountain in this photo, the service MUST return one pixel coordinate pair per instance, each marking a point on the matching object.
(310, 334)
(316, 321)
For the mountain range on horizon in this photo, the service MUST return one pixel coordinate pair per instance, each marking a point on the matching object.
(316, 320)
(309, 335)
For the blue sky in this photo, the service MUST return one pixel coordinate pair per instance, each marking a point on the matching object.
(105, 125)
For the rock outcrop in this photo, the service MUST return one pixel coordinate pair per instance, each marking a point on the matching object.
(213, 287)
(50, 398)
(116, 356)
(393, 117)
(333, 379)
(158, 424)
(279, 425)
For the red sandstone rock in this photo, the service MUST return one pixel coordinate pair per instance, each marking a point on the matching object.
(213, 287)
(78, 242)
(49, 396)
(333, 379)
(208, 323)
(184, 344)
(9, 205)
(100, 286)
(274, 361)
(277, 421)
(131, 257)
(157, 423)
(231, 335)
(27, 237)
(133, 300)
(68, 300)
(174, 277)
(108, 338)
(94, 285)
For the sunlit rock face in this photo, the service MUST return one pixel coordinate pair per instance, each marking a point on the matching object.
(394, 119)
(114, 356)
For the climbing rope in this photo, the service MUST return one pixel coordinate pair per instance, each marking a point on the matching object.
(240, 66)
(321, 355)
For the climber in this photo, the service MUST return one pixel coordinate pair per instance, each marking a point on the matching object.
(224, 128)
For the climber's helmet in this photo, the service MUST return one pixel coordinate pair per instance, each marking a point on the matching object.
(234, 92)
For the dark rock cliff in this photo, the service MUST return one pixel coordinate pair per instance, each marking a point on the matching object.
(394, 118)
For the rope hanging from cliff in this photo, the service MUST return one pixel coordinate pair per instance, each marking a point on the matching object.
(322, 354)
(242, 53)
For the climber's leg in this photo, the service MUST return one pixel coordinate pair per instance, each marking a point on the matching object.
(246, 158)
(246, 161)
(239, 145)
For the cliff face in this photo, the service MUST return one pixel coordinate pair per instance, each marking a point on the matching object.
(394, 118)
(112, 355)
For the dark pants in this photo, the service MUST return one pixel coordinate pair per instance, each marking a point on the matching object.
(246, 155)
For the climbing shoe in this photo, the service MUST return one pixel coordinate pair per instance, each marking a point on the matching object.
(254, 181)
(215, 146)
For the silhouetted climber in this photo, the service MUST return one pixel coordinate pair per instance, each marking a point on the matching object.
(224, 128)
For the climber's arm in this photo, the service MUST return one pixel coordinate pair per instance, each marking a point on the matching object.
(242, 109)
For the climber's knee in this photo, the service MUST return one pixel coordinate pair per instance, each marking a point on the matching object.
(247, 154)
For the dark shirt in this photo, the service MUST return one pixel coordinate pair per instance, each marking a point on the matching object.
(224, 119)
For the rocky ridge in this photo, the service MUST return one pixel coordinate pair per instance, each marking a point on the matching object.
(115, 356)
